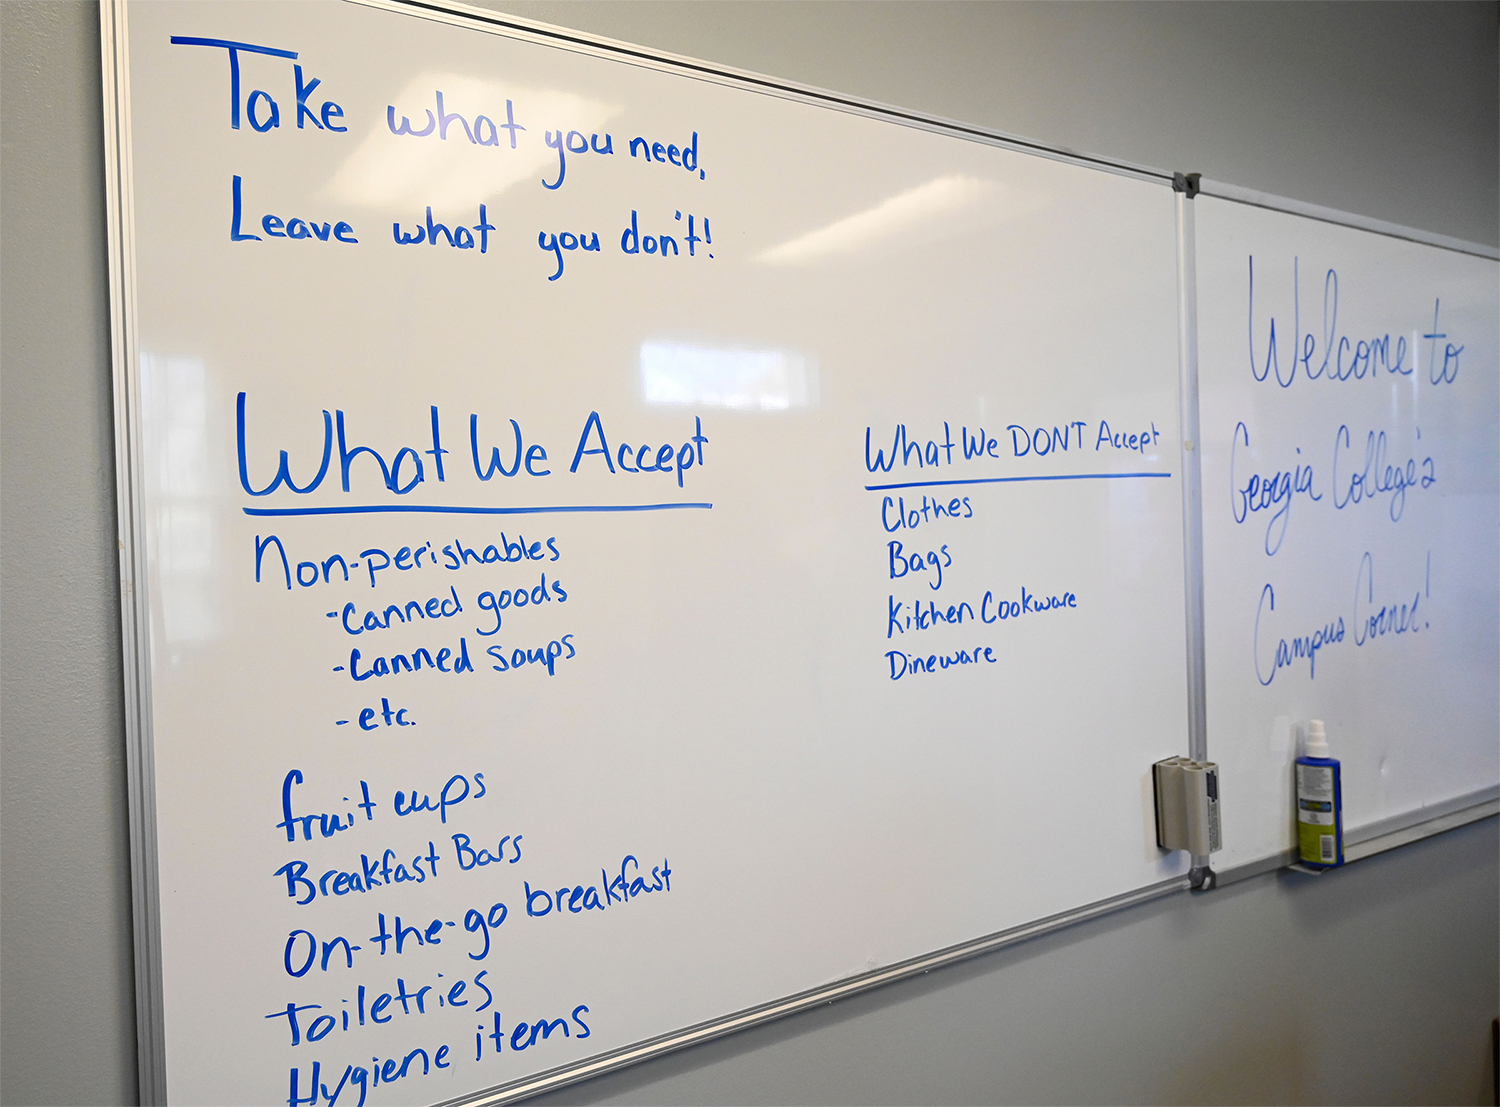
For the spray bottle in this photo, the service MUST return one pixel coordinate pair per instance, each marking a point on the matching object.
(1320, 802)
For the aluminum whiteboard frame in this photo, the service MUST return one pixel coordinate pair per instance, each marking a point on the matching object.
(1384, 834)
(1201, 875)
(530, 30)
(1222, 191)
(134, 599)
(710, 1029)
(135, 612)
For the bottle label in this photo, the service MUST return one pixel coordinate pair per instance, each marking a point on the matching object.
(1316, 819)
(1315, 782)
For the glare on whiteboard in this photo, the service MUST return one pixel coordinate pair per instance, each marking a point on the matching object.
(745, 380)
(905, 211)
(183, 545)
(413, 173)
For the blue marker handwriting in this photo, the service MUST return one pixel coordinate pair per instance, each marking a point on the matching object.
(410, 1000)
(904, 664)
(1136, 440)
(1354, 482)
(371, 1006)
(923, 614)
(273, 226)
(616, 887)
(373, 718)
(658, 153)
(457, 556)
(926, 454)
(1357, 476)
(632, 241)
(930, 562)
(1272, 491)
(456, 790)
(643, 459)
(495, 603)
(903, 616)
(1398, 617)
(414, 1002)
(1286, 652)
(483, 131)
(300, 955)
(459, 237)
(401, 470)
(470, 856)
(259, 107)
(1333, 356)
(993, 609)
(364, 1079)
(1014, 441)
(448, 660)
(327, 824)
(576, 143)
(909, 618)
(523, 1035)
(436, 607)
(387, 869)
(274, 564)
(895, 515)
(556, 243)
(511, 660)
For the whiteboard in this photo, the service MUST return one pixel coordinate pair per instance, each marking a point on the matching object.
(789, 587)
(1351, 509)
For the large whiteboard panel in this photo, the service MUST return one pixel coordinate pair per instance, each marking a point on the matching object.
(1351, 508)
(719, 667)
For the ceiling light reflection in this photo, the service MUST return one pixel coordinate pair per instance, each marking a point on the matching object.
(744, 380)
(390, 170)
(909, 209)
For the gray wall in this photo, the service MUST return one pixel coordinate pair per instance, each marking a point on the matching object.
(67, 1027)
(1372, 984)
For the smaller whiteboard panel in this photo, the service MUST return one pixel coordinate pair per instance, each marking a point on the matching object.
(1349, 391)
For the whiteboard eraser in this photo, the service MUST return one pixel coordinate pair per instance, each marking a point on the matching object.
(1171, 815)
